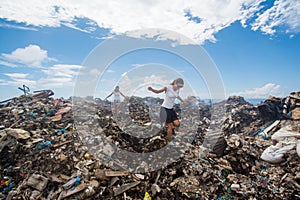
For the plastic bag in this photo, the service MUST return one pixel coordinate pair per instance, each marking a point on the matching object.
(275, 153)
(298, 148)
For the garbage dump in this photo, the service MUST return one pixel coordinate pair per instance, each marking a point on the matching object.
(76, 149)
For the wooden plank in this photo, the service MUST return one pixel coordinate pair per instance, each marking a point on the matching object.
(55, 118)
(125, 187)
(115, 173)
(269, 128)
(67, 193)
(61, 144)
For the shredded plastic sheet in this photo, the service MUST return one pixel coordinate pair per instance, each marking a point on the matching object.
(285, 134)
(275, 153)
(298, 148)
(287, 141)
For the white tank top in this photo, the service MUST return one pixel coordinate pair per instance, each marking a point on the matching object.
(170, 97)
(117, 96)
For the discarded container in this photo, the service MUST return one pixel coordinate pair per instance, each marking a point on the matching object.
(8, 188)
(42, 145)
(33, 115)
(37, 181)
(73, 182)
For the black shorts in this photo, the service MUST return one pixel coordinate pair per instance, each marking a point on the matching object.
(117, 101)
(167, 115)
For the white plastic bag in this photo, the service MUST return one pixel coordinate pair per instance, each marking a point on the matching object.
(298, 148)
(274, 154)
(284, 134)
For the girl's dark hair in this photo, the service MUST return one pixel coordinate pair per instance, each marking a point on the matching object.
(178, 81)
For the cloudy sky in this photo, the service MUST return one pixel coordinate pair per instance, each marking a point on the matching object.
(254, 45)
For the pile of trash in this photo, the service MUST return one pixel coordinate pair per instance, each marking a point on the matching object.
(78, 148)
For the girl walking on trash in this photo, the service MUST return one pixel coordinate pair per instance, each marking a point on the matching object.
(168, 115)
(117, 99)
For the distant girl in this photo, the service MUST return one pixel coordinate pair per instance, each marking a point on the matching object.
(167, 113)
(117, 99)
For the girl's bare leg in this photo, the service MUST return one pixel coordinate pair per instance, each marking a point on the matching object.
(117, 110)
(169, 131)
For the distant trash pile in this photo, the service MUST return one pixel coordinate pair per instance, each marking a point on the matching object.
(49, 151)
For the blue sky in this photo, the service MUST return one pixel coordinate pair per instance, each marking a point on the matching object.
(254, 45)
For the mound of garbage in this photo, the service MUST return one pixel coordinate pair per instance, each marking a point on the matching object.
(78, 148)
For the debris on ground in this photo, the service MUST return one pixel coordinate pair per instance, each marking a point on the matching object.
(58, 149)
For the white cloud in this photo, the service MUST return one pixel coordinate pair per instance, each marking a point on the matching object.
(138, 65)
(41, 83)
(63, 70)
(18, 79)
(36, 13)
(19, 82)
(284, 12)
(59, 76)
(262, 92)
(79, 29)
(55, 82)
(18, 27)
(157, 80)
(198, 21)
(7, 64)
(31, 55)
(137, 85)
(94, 71)
(16, 75)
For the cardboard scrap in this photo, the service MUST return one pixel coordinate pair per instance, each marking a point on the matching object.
(18, 133)
(295, 113)
(105, 174)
